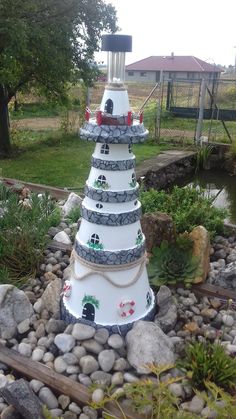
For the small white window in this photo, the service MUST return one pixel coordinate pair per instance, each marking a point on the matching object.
(130, 73)
(143, 74)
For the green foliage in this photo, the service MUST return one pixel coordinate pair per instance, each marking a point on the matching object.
(100, 185)
(218, 401)
(52, 158)
(46, 44)
(73, 215)
(91, 299)
(23, 229)
(203, 154)
(208, 362)
(231, 154)
(150, 117)
(172, 263)
(188, 207)
(95, 246)
(151, 398)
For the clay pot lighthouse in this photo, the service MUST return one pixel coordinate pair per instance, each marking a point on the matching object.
(109, 285)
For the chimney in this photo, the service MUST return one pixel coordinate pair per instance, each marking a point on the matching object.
(172, 55)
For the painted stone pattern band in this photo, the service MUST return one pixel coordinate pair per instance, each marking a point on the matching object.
(112, 134)
(111, 196)
(113, 164)
(120, 329)
(106, 257)
(109, 219)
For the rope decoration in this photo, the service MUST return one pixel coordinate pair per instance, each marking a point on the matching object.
(100, 269)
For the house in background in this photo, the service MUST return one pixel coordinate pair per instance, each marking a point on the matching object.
(179, 67)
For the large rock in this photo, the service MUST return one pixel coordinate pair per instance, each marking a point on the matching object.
(201, 250)
(51, 296)
(15, 307)
(20, 395)
(72, 202)
(146, 344)
(157, 227)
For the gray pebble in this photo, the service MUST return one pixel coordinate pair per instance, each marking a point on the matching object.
(79, 351)
(101, 378)
(101, 336)
(83, 331)
(73, 407)
(130, 378)
(70, 358)
(64, 342)
(106, 359)
(36, 385)
(88, 364)
(48, 398)
(115, 341)
(60, 365)
(228, 320)
(37, 354)
(63, 401)
(117, 379)
(98, 395)
(92, 346)
(55, 326)
(85, 380)
(25, 349)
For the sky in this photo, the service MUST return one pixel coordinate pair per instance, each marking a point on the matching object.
(203, 28)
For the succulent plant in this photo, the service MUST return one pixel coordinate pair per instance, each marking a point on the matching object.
(173, 262)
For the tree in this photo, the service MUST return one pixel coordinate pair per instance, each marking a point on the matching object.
(47, 43)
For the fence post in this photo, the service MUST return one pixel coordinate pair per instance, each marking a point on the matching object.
(201, 111)
(169, 91)
(159, 105)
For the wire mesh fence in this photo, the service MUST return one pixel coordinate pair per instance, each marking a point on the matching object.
(172, 111)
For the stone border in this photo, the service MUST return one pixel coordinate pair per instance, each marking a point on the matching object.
(107, 257)
(109, 219)
(113, 164)
(111, 196)
(112, 134)
(122, 329)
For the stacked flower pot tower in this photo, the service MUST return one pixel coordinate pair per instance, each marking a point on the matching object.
(109, 285)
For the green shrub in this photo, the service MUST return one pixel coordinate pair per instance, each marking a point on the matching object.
(23, 229)
(208, 362)
(172, 263)
(73, 215)
(188, 207)
(151, 398)
(203, 154)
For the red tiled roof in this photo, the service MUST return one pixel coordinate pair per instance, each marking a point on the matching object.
(173, 63)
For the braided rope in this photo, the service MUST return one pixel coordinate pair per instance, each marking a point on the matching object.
(100, 269)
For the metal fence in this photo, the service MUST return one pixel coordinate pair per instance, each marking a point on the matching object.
(183, 110)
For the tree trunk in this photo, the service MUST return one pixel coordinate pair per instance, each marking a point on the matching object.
(5, 145)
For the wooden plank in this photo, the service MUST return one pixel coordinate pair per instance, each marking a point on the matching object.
(56, 193)
(57, 382)
(54, 245)
(214, 291)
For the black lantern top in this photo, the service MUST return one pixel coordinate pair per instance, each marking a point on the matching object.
(117, 43)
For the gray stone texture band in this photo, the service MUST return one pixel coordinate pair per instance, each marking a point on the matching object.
(112, 134)
(113, 164)
(106, 257)
(109, 219)
(111, 196)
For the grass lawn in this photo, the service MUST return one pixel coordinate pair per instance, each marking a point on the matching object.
(53, 159)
